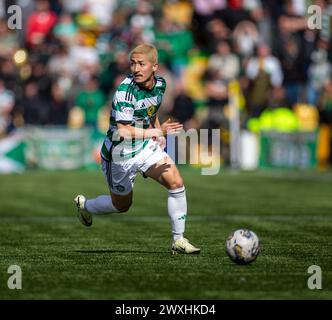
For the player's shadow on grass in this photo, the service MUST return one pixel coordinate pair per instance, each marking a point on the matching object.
(103, 251)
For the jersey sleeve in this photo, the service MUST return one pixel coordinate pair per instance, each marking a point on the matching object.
(161, 83)
(123, 106)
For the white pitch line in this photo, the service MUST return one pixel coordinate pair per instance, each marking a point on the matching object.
(138, 218)
(295, 176)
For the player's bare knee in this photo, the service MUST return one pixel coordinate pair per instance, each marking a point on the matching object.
(175, 184)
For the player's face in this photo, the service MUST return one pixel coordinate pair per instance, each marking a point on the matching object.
(142, 68)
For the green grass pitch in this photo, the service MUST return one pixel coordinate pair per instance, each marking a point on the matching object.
(127, 256)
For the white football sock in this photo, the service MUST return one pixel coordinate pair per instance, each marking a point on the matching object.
(177, 211)
(100, 205)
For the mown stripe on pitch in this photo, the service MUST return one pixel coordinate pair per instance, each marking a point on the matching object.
(4, 219)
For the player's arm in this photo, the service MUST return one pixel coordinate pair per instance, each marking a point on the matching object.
(123, 115)
(155, 122)
(127, 131)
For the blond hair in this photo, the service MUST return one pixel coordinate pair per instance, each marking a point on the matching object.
(148, 49)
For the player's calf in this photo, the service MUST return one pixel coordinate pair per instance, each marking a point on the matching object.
(123, 208)
(122, 203)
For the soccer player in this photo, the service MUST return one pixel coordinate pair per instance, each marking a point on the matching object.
(134, 144)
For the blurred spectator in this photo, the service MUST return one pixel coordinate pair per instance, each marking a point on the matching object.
(73, 7)
(204, 11)
(103, 10)
(255, 8)
(178, 11)
(116, 69)
(265, 74)
(2, 9)
(8, 73)
(290, 21)
(58, 106)
(246, 38)
(325, 136)
(61, 64)
(167, 103)
(299, 7)
(42, 78)
(319, 73)
(85, 58)
(234, 13)
(62, 67)
(206, 8)
(35, 108)
(85, 20)
(326, 31)
(40, 23)
(174, 43)
(184, 108)
(224, 63)
(66, 29)
(216, 31)
(184, 112)
(8, 40)
(6, 106)
(28, 8)
(216, 90)
(325, 103)
(292, 47)
(91, 99)
(143, 20)
(293, 62)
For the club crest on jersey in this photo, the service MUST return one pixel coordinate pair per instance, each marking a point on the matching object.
(151, 110)
(120, 188)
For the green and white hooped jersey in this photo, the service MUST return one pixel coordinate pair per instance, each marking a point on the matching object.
(135, 106)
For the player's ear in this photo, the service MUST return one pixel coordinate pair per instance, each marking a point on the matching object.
(155, 67)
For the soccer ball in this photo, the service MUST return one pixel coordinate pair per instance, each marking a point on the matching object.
(242, 246)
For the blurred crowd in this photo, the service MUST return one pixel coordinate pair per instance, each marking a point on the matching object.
(63, 65)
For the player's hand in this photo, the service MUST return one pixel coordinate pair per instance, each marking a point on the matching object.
(169, 127)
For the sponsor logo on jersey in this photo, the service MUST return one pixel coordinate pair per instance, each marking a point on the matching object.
(127, 110)
(151, 110)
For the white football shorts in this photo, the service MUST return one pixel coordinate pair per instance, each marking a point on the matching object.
(120, 175)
